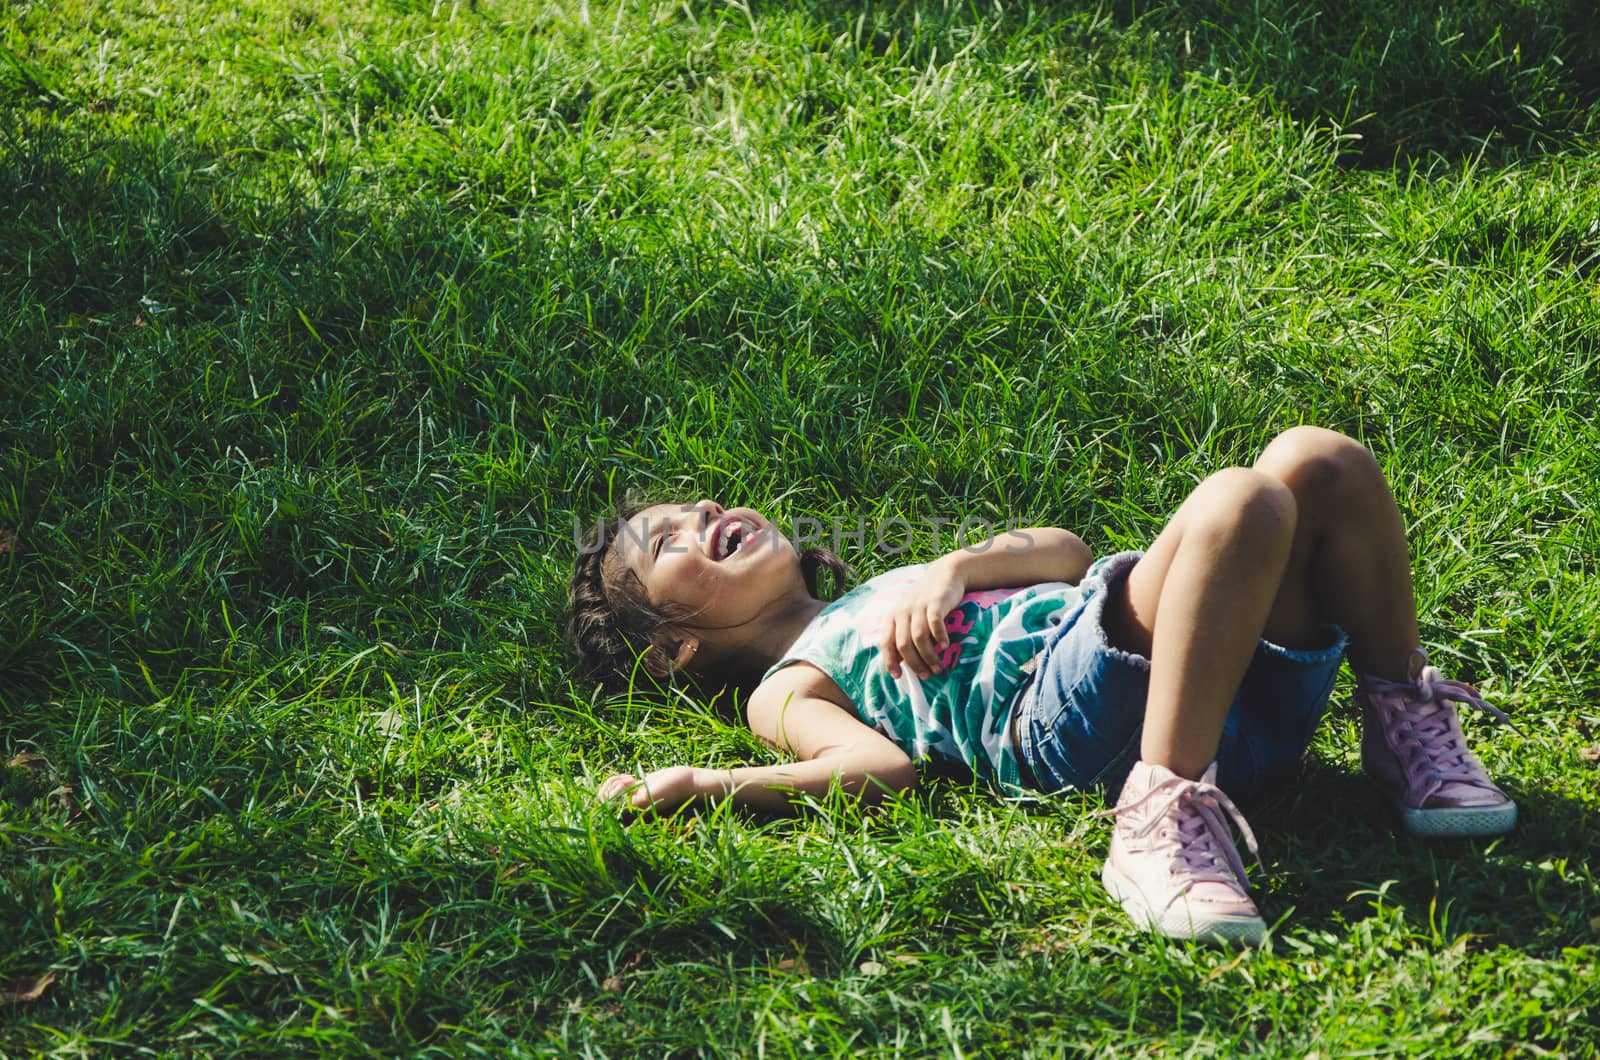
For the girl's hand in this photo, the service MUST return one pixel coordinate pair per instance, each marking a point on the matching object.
(914, 631)
(663, 791)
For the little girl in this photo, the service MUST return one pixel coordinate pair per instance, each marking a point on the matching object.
(1176, 680)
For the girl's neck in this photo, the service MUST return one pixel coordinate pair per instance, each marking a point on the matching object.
(764, 644)
(778, 635)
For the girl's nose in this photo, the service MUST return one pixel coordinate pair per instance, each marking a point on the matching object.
(701, 512)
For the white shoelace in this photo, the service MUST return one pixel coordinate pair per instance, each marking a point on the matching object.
(1426, 731)
(1204, 811)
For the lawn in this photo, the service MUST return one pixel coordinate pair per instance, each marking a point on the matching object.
(325, 327)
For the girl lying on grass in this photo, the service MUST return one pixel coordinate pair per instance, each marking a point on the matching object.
(1176, 680)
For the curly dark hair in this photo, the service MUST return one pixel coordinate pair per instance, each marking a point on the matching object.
(614, 627)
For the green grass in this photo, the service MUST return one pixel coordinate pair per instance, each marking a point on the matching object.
(321, 324)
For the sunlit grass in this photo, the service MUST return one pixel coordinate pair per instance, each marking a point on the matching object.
(323, 325)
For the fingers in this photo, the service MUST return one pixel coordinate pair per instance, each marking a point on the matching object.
(916, 639)
(915, 644)
(614, 786)
(891, 654)
(941, 635)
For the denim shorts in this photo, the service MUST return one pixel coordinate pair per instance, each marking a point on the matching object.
(1079, 723)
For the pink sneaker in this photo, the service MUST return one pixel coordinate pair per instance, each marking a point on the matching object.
(1413, 747)
(1173, 865)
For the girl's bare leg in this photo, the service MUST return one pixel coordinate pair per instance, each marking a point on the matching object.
(1197, 603)
(1349, 564)
(1309, 536)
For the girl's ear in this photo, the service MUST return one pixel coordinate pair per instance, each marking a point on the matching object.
(686, 652)
(662, 659)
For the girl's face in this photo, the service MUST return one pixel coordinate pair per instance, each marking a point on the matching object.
(726, 567)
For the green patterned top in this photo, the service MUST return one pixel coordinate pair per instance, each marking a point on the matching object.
(960, 714)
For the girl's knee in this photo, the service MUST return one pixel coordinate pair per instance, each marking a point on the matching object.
(1242, 499)
(1312, 460)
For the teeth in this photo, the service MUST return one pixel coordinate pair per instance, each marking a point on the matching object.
(730, 536)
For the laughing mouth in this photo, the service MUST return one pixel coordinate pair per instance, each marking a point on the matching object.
(732, 535)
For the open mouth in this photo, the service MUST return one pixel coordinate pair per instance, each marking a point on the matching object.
(732, 535)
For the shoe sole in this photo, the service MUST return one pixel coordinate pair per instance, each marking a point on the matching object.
(1177, 924)
(1460, 821)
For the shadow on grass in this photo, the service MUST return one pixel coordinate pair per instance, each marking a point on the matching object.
(219, 372)
(1505, 81)
(1336, 859)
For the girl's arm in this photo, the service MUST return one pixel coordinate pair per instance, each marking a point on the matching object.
(798, 710)
(915, 632)
(1020, 557)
